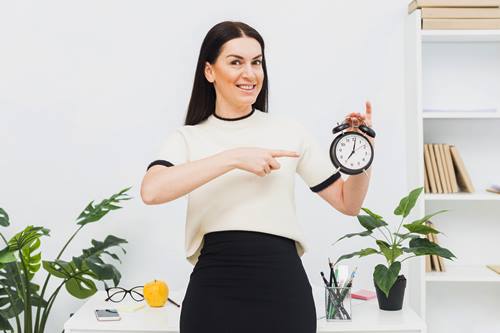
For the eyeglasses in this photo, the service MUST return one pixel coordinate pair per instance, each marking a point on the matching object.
(117, 294)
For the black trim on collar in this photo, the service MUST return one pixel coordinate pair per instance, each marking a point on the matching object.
(160, 162)
(321, 186)
(234, 119)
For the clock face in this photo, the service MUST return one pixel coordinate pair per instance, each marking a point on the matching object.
(352, 151)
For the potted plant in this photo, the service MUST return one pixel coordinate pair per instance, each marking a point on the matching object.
(389, 284)
(21, 259)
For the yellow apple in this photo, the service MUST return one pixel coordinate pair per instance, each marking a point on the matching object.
(156, 293)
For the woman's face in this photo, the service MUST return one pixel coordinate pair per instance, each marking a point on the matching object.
(237, 73)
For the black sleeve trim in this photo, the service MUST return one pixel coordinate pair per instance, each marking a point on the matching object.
(160, 162)
(321, 186)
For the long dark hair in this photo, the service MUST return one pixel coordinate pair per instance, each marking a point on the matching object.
(202, 102)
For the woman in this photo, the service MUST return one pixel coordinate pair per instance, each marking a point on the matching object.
(238, 165)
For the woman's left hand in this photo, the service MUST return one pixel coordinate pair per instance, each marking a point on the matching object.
(354, 119)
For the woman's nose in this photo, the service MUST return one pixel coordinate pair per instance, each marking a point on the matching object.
(248, 72)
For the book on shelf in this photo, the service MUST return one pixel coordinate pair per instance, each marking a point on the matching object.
(442, 176)
(461, 13)
(494, 268)
(463, 179)
(445, 170)
(444, 161)
(433, 259)
(436, 263)
(427, 188)
(461, 24)
(428, 264)
(429, 171)
(419, 4)
(451, 170)
(494, 189)
(435, 170)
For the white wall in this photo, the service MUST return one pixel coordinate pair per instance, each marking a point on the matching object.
(89, 89)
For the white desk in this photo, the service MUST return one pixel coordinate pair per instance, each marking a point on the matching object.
(366, 318)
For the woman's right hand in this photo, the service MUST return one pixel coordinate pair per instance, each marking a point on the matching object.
(259, 161)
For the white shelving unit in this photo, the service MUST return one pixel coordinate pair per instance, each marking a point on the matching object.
(456, 70)
(465, 273)
(486, 196)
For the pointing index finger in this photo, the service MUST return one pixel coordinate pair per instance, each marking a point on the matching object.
(368, 109)
(284, 153)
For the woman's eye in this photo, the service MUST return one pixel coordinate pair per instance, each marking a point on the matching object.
(235, 62)
(258, 62)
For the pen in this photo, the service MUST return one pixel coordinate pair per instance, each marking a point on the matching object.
(334, 276)
(331, 272)
(173, 302)
(324, 279)
(349, 281)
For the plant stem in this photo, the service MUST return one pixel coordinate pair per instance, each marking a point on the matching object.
(6, 243)
(390, 234)
(69, 240)
(27, 302)
(37, 320)
(46, 311)
(383, 234)
(399, 227)
(409, 258)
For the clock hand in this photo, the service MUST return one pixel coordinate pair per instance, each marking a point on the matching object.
(361, 147)
(355, 151)
(353, 147)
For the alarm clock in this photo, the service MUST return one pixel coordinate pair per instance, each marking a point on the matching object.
(351, 152)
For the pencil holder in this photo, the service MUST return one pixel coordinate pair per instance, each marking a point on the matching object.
(338, 303)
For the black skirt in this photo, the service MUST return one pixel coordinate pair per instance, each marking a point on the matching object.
(247, 281)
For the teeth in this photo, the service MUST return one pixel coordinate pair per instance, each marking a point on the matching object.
(247, 87)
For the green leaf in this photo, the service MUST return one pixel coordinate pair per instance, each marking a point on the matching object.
(33, 261)
(99, 247)
(4, 218)
(79, 283)
(418, 228)
(103, 271)
(385, 277)
(361, 253)
(407, 235)
(427, 217)
(27, 237)
(407, 203)
(423, 246)
(112, 255)
(81, 287)
(369, 222)
(12, 291)
(6, 256)
(372, 214)
(4, 323)
(390, 252)
(82, 269)
(52, 268)
(93, 213)
(362, 234)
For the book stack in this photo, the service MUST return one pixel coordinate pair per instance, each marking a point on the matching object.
(445, 170)
(433, 263)
(458, 14)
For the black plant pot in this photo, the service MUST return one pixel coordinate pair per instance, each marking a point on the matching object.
(396, 295)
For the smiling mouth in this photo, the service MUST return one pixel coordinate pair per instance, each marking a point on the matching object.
(246, 87)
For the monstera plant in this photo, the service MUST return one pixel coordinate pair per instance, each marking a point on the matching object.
(396, 247)
(21, 259)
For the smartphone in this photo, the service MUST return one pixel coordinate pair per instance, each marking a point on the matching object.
(107, 314)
